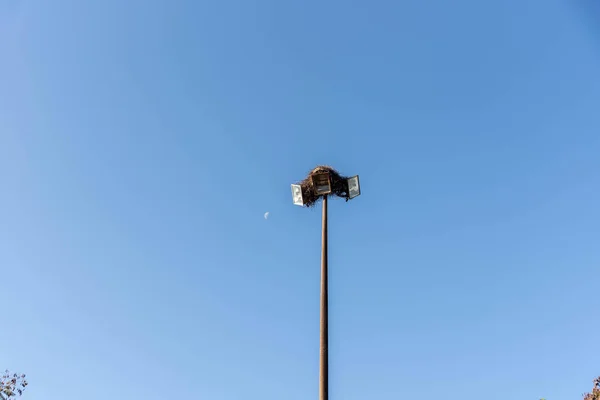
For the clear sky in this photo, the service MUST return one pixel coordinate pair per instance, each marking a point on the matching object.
(141, 142)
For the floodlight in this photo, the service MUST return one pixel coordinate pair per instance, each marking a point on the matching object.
(297, 195)
(321, 183)
(353, 187)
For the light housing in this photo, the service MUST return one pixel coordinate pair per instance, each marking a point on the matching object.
(322, 183)
(353, 187)
(297, 195)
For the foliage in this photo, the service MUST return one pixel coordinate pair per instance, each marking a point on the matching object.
(595, 393)
(12, 385)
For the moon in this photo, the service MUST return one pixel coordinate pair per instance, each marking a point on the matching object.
(267, 215)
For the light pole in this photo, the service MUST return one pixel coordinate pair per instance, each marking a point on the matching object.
(323, 182)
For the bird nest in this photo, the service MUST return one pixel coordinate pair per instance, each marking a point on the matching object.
(339, 185)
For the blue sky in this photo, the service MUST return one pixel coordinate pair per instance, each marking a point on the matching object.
(142, 141)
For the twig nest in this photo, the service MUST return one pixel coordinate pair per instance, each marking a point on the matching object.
(339, 185)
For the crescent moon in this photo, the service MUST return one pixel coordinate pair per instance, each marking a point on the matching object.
(267, 215)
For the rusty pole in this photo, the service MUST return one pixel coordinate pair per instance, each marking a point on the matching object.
(324, 350)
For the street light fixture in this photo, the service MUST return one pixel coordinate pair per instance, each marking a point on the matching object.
(322, 182)
(353, 187)
(297, 195)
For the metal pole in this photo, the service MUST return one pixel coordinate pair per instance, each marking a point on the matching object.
(324, 357)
